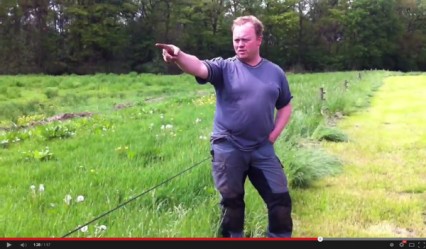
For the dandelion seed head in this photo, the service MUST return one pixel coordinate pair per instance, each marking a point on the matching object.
(84, 229)
(41, 188)
(80, 198)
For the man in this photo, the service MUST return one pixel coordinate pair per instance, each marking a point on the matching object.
(248, 89)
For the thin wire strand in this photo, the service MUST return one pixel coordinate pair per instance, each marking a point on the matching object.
(134, 198)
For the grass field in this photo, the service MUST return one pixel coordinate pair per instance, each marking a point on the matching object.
(137, 131)
(383, 190)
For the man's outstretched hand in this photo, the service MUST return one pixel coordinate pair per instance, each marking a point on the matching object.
(170, 52)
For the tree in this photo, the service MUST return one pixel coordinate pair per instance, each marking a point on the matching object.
(371, 34)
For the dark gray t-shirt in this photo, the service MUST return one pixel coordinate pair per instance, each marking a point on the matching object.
(246, 98)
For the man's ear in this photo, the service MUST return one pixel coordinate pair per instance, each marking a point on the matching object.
(260, 40)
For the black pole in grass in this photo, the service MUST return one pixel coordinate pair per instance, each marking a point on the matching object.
(134, 198)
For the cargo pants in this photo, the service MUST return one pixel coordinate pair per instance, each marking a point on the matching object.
(231, 167)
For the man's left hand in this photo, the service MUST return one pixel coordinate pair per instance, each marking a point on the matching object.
(272, 138)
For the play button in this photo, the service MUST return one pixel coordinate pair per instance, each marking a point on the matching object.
(8, 244)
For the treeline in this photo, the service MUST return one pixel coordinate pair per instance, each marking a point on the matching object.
(118, 36)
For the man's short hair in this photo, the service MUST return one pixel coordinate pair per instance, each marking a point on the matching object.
(258, 26)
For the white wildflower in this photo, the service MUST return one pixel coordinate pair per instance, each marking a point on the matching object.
(84, 229)
(41, 188)
(162, 127)
(68, 199)
(169, 126)
(80, 198)
(162, 116)
(198, 120)
(203, 137)
(33, 189)
(100, 229)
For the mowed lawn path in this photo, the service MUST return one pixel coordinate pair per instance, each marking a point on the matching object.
(382, 189)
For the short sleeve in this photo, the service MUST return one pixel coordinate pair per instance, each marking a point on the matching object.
(284, 96)
(215, 71)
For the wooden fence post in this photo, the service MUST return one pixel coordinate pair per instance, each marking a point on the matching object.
(322, 93)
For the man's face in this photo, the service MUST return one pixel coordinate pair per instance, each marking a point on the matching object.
(246, 43)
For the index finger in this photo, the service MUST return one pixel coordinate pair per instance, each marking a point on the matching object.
(165, 46)
(160, 45)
